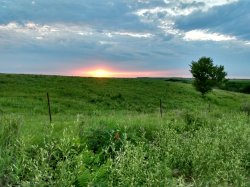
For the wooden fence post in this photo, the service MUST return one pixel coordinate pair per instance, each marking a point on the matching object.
(50, 119)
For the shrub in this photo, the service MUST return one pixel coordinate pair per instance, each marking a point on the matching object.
(246, 89)
(193, 122)
(103, 140)
(93, 173)
(139, 165)
(55, 163)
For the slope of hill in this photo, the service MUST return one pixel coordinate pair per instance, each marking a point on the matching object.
(109, 132)
(73, 95)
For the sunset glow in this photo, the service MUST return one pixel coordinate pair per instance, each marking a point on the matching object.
(108, 72)
(100, 73)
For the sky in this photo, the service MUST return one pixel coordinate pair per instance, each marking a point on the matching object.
(123, 38)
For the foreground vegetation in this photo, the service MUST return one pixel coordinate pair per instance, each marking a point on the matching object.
(108, 132)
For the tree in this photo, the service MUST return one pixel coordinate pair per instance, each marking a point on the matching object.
(206, 75)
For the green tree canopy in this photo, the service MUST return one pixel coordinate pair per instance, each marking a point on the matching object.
(206, 75)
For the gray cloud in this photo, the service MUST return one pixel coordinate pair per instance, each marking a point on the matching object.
(103, 13)
(58, 37)
(231, 19)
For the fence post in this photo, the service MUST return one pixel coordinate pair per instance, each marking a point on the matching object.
(50, 119)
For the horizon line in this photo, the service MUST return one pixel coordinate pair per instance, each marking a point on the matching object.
(136, 77)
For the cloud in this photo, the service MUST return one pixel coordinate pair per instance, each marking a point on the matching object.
(208, 4)
(164, 16)
(61, 33)
(134, 35)
(64, 41)
(167, 11)
(205, 35)
(247, 42)
(109, 14)
(31, 27)
(182, 7)
(231, 19)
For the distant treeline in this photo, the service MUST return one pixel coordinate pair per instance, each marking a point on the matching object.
(179, 79)
(237, 85)
(234, 85)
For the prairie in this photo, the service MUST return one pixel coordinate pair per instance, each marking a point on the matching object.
(109, 132)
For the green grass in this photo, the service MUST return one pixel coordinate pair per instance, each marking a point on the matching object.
(108, 132)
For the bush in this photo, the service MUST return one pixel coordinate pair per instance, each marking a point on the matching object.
(93, 173)
(139, 165)
(101, 138)
(55, 163)
(246, 89)
(193, 122)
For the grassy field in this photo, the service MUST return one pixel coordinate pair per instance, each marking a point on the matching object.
(109, 132)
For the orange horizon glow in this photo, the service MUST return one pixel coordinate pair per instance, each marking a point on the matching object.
(108, 73)
(105, 72)
(100, 73)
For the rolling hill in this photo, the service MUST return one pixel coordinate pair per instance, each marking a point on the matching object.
(109, 132)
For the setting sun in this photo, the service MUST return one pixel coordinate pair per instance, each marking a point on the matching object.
(100, 73)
